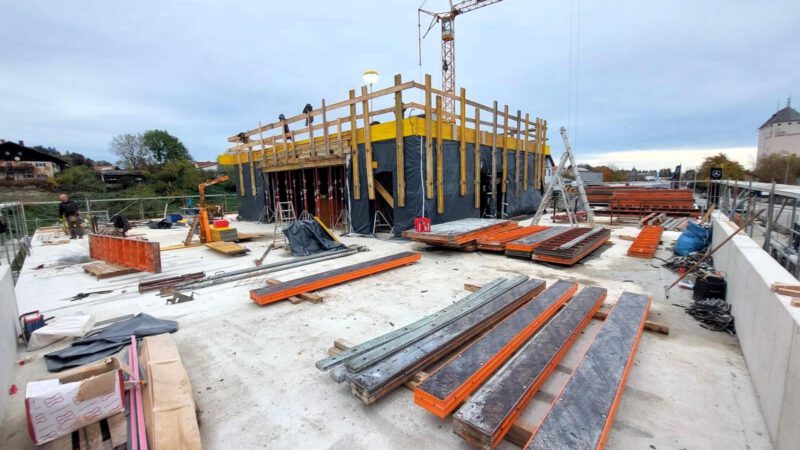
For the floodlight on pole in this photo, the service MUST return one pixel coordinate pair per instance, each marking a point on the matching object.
(370, 77)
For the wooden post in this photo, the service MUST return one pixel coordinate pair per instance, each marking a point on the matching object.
(494, 153)
(251, 162)
(325, 135)
(477, 157)
(367, 143)
(294, 145)
(274, 151)
(439, 157)
(517, 148)
(354, 147)
(312, 149)
(428, 139)
(525, 153)
(263, 148)
(399, 151)
(462, 135)
(505, 149)
(241, 172)
(339, 136)
(284, 141)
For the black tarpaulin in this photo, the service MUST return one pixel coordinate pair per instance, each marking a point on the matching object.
(250, 206)
(107, 341)
(307, 237)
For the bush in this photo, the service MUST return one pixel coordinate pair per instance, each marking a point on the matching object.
(80, 179)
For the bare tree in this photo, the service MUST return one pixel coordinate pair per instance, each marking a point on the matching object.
(131, 151)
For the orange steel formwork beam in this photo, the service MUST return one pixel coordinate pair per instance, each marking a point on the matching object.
(497, 241)
(582, 414)
(133, 253)
(646, 243)
(444, 390)
(286, 289)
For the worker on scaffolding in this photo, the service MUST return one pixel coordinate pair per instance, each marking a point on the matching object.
(68, 212)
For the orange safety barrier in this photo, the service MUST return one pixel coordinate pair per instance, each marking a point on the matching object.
(646, 243)
(133, 253)
(286, 289)
(497, 241)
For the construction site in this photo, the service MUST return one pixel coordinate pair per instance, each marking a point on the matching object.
(408, 267)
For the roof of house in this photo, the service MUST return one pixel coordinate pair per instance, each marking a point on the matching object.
(787, 114)
(203, 164)
(28, 154)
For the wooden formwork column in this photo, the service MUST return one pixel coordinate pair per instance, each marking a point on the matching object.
(494, 153)
(462, 136)
(399, 150)
(354, 146)
(428, 139)
(241, 172)
(312, 149)
(504, 181)
(367, 143)
(544, 145)
(339, 142)
(263, 148)
(274, 151)
(325, 135)
(439, 157)
(525, 152)
(284, 140)
(252, 163)
(477, 156)
(517, 148)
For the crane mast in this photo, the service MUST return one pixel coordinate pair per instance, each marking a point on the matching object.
(447, 21)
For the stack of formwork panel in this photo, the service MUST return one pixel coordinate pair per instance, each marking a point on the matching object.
(646, 243)
(572, 246)
(460, 234)
(642, 202)
(496, 242)
(523, 247)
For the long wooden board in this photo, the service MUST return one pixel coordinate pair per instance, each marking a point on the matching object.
(274, 293)
(488, 416)
(378, 380)
(444, 390)
(582, 414)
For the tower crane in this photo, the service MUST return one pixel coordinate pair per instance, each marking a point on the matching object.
(447, 19)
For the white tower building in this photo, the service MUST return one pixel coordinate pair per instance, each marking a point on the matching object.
(781, 133)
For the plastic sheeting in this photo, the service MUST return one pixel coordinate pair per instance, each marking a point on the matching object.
(250, 207)
(107, 341)
(307, 237)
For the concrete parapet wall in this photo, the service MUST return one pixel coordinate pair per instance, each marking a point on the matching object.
(768, 328)
(8, 336)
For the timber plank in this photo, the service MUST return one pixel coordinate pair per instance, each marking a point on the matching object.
(444, 390)
(583, 413)
(489, 414)
(378, 380)
(287, 289)
(101, 270)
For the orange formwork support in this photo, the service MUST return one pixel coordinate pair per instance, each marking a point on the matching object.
(646, 243)
(281, 291)
(133, 253)
(497, 241)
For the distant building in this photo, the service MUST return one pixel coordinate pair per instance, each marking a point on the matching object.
(590, 178)
(114, 176)
(781, 133)
(102, 167)
(18, 162)
(210, 166)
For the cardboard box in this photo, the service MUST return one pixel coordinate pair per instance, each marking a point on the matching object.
(73, 399)
(169, 408)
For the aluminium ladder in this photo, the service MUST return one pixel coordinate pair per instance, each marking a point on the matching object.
(557, 180)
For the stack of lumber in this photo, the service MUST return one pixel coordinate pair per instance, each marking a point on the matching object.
(646, 243)
(460, 234)
(496, 242)
(792, 290)
(291, 288)
(486, 374)
(572, 246)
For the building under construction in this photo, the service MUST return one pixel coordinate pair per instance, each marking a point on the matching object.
(381, 159)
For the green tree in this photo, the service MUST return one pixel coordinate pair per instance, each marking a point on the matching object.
(731, 170)
(164, 147)
(177, 177)
(781, 167)
(131, 151)
(79, 179)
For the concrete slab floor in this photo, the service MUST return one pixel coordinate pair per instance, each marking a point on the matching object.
(252, 368)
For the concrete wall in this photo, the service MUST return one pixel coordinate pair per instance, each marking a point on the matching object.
(8, 337)
(768, 328)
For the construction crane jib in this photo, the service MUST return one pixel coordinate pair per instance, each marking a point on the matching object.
(447, 21)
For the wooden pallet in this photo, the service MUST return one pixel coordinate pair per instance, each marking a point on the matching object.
(227, 248)
(102, 270)
(109, 433)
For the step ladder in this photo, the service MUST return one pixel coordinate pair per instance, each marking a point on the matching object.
(557, 180)
(343, 222)
(380, 222)
(284, 218)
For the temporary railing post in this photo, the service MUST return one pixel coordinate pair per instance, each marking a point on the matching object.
(770, 214)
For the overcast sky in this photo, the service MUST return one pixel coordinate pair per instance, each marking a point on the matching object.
(653, 83)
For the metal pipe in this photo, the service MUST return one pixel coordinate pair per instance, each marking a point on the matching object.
(269, 268)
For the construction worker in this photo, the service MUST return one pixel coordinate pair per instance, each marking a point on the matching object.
(68, 212)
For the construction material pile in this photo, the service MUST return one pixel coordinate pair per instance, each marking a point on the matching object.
(559, 245)
(629, 201)
(491, 379)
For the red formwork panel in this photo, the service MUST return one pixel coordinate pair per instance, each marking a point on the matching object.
(646, 243)
(133, 253)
